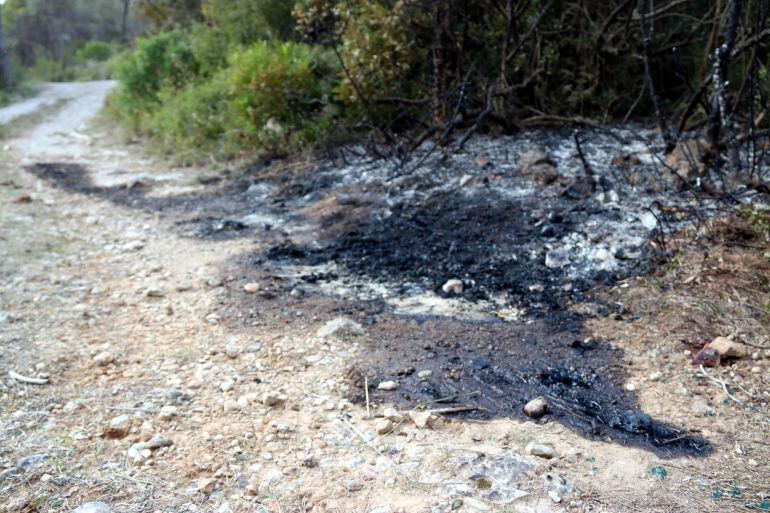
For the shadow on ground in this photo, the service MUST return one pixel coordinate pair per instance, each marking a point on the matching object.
(483, 369)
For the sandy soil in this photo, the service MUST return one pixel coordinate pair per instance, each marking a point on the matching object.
(176, 378)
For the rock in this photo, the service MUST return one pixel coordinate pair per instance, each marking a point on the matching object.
(137, 453)
(118, 427)
(699, 407)
(341, 328)
(539, 166)
(558, 486)
(147, 431)
(602, 255)
(274, 399)
(270, 481)
(206, 485)
(251, 288)
(388, 386)
(453, 287)
(231, 405)
(381, 509)
(392, 415)
(227, 385)
(104, 358)
(536, 408)
(424, 374)
(540, 450)
(154, 292)
(31, 461)
(728, 348)
(655, 376)
(353, 485)
(72, 406)
(92, 507)
(157, 441)
(556, 258)
(168, 412)
(23, 199)
(421, 419)
(232, 350)
(476, 504)
(383, 426)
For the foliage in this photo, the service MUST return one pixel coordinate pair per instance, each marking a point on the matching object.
(98, 51)
(246, 21)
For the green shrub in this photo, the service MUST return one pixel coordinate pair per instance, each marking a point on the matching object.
(97, 51)
(279, 90)
(163, 61)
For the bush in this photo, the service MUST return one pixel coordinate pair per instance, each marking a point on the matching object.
(97, 51)
(165, 60)
(278, 89)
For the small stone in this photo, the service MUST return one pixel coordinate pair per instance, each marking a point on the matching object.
(274, 399)
(72, 406)
(154, 292)
(104, 358)
(424, 374)
(381, 509)
(602, 255)
(251, 288)
(383, 426)
(629, 387)
(46, 478)
(341, 328)
(540, 450)
(421, 419)
(388, 386)
(699, 407)
(232, 350)
(353, 485)
(655, 376)
(206, 485)
(536, 408)
(136, 453)
(227, 385)
(728, 348)
(231, 405)
(453, 286)
(156, 442)
(556, 259)
(93, 507)
(168, 413)
(118, 427)
(392, 415)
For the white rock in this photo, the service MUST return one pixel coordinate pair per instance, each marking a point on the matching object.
(383, 426)
(540, 450)
(421, 419)
(232, 350)
(388, 386)
(274, 399)
(381, 509)
(353, 485)
(392, 415)
(104, 358)
(231, 405)
(425, 374)
(602, 255)
(342, 328)
(118, 427)
(93, 507)
(453, 286)
(251, 288)
(206, 484)
(556, 259)
(168, 413)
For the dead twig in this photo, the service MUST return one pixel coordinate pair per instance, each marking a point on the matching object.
(26, 379)
(720, 382)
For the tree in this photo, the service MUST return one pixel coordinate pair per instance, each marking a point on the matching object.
(6, 79)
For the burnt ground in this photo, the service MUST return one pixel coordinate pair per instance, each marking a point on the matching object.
(325, 226)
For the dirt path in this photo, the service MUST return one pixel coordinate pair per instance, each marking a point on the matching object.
(184, 371)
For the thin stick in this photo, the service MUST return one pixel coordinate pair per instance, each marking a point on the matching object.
(458, 409)
(721, 382)
(366, 392)
(26, 379)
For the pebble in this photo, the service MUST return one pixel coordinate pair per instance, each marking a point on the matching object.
(383, 426)
(154, 292)
(392, 415)
(93, 507)
(118, 427)
(629, 387)
(231, 405)
(453, 286)
(536, 408)
(168, 413)
(353, 485)
(206, 485)
(138, 452)
(602, 255)
(388, 386)
(556, 259)
(104, 358)
(540, 450)
(274, 399)
(655, 376)
(251, 288)
(421, 419)
(341, 328)
(232, 350)
(381, 509)
(424, 374)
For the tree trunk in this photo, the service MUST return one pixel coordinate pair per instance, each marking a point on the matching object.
(124, 22)
(6, 79)
(439, 67)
